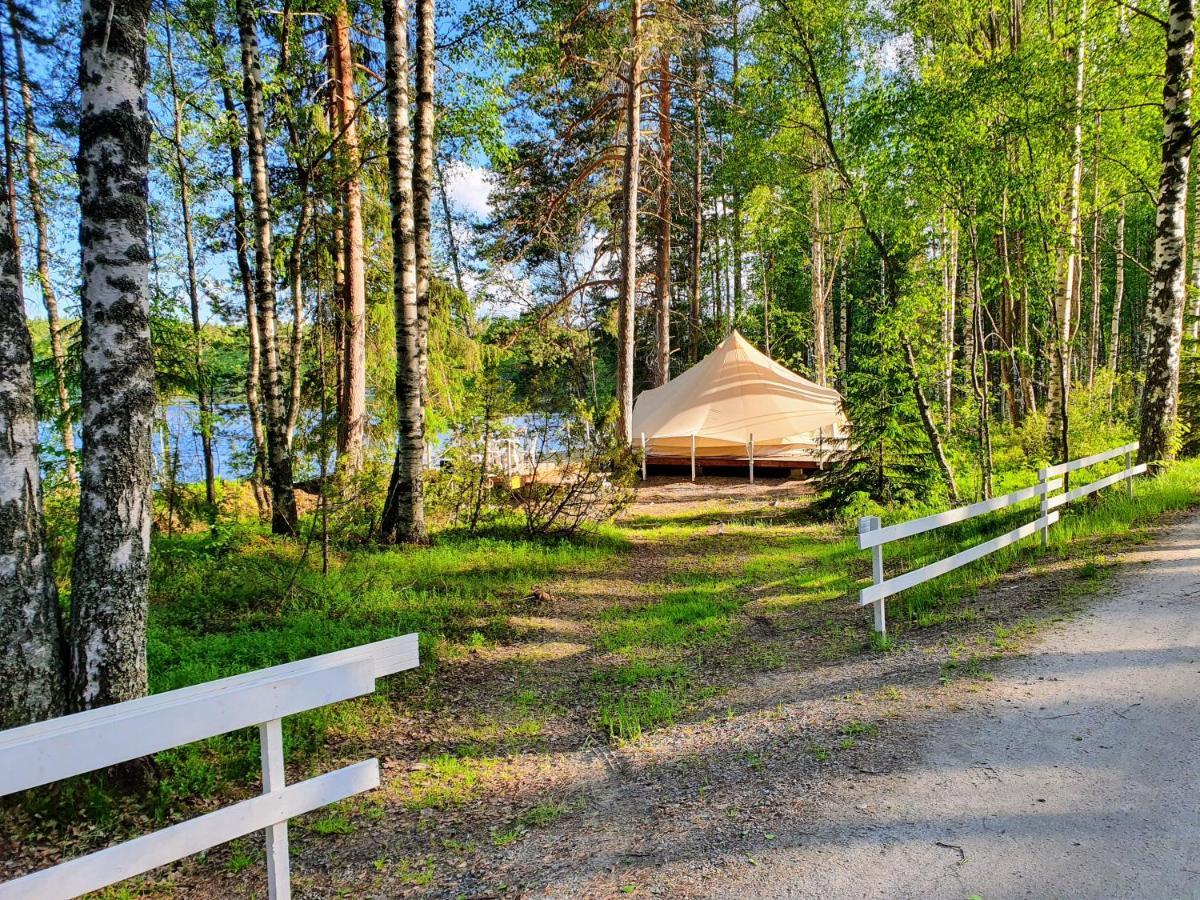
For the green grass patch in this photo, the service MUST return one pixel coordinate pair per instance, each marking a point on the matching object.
(627, 716)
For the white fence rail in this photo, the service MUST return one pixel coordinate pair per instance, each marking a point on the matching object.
(38, 754)
(872, 536)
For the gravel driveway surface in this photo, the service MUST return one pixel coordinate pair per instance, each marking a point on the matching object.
(1078, 777)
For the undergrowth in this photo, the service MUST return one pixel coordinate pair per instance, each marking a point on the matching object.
(233, 599)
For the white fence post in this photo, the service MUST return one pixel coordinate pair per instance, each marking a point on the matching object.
(1128, 473)
(871, 523)
(643, 456)
(1044, 509)
(270, 738)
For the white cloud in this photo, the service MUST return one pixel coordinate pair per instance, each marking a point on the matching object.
(469, 188)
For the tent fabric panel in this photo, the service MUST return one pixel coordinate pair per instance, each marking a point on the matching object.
(731, 394)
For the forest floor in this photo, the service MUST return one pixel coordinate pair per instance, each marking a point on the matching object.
(664, 711)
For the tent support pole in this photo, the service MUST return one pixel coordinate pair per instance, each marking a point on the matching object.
(693, 457)
(750, 449)
(643, 456)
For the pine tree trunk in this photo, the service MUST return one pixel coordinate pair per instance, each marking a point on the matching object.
(1168, 293)
(697, 262)
(10, 177)
(352, 415)
(110, 578)
(279, 460)
(423, 151)
(630, 182)
(404, 511)
(32, 677)
(185, 208)
(1067, 297)
(42, 233)
(662, 277)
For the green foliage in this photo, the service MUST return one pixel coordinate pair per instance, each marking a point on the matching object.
(887, 458)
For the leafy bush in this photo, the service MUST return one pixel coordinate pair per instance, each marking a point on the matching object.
(579, 478)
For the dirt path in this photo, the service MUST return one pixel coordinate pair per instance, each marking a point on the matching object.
(1076, 776)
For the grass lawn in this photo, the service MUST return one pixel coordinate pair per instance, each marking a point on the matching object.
(651, 621)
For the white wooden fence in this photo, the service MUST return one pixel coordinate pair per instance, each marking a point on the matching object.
(38, 754)
(872, 536)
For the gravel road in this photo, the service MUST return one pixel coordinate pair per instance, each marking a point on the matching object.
(1078, 776)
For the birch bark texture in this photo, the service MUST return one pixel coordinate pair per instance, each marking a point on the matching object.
(403, 517)
(183, 182)
(817, 239)
(279, 460)
(31, 666)
(110, 577)
(1066, 301)
(233, 135)
(1114, 330)
(1168, 293)
(422, 179)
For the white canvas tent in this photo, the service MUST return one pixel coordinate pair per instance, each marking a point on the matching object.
(734, 395)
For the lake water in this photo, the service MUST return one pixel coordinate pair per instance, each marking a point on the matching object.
(233, 445)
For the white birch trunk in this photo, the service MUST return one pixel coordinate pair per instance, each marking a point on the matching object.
(1067, 298)
(32, 678)
(110, 577)
(404, 510)
(1168, 293)
(279, 459)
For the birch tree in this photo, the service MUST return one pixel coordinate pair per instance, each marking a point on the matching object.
(1066, 299)
(110, 576)
(232, 129)
(279, 460)
(1168, 293)
(426, 25)
(32, 678)
(183, 182)
(404, 509)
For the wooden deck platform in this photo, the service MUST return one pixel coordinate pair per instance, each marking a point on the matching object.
(728, 465)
